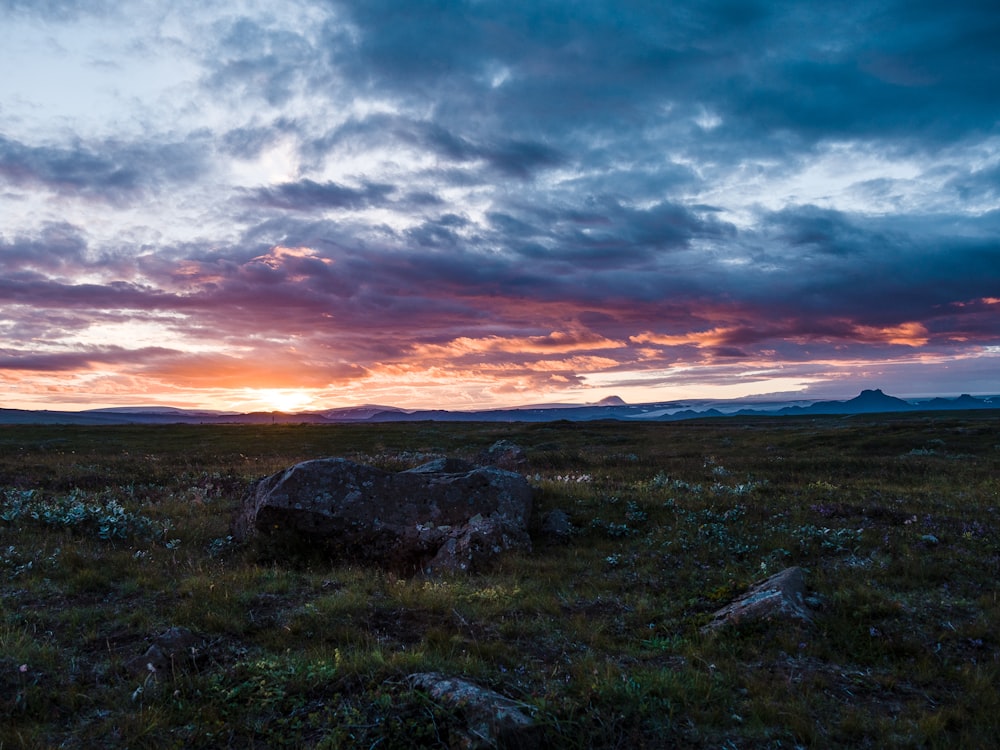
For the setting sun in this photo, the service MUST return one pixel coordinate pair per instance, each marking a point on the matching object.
(278, 399)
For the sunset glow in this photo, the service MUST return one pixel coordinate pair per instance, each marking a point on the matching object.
(274, 399)
(470, 205)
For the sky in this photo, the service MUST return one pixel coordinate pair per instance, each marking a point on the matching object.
(248, 205)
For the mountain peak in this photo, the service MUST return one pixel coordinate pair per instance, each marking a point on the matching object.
(611, 401)
(873, 399)
(874, 394)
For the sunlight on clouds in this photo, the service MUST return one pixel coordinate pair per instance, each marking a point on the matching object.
(274, 258)
(906, 334)
(555, 342)
(453, 387)
(274, 165)
(700, 339)
(707, 120)
(831, 178)
(141, 332)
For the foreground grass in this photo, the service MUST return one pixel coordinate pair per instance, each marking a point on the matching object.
(109, 536)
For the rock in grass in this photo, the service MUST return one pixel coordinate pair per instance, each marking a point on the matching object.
(503, 454)
(782, 596)
(170, 652)
(491, 719)
(443, 516)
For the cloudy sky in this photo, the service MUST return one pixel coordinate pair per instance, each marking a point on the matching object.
(308, 204)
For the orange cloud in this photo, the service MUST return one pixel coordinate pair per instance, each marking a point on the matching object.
(700, 339)
(905, 334)
(557, 342)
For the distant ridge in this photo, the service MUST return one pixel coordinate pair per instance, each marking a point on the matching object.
(353, 413)
(873, 401)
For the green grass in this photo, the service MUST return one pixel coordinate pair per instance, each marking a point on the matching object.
(111, 535)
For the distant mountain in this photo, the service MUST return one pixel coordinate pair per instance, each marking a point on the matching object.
(611, 401)
(965, 401)
(867, 402)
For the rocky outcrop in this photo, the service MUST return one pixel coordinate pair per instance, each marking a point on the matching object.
(492, 720)
(445, 515)
(782, 596)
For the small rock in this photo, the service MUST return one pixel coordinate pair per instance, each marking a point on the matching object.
(492, 720)
(782, 596)
(504, 455)
(169, 652)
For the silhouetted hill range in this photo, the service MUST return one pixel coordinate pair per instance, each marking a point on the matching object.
(612, 407)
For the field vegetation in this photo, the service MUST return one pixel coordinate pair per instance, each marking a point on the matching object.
(110, 536)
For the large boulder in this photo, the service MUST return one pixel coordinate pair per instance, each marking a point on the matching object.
(445, 515)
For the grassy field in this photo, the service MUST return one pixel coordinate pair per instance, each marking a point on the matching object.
(111, 535)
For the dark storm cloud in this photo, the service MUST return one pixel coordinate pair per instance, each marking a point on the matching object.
(785, 72)
(84, 358)
(112, 171)
(564, 61)
(57, 249)
(437, 233)
(67, 171)
(59, 252)
(520, 158)
(802, 73)
(603, 233)
(809, 229)
(307, 195)
(249, 141)
(978, 185)
(779, 76)
(253, 60)
(56, 295)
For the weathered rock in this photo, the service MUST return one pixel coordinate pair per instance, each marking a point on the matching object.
(782, 596)
(503, 454)
(445, 515)
(169, 653)
(492, 720)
